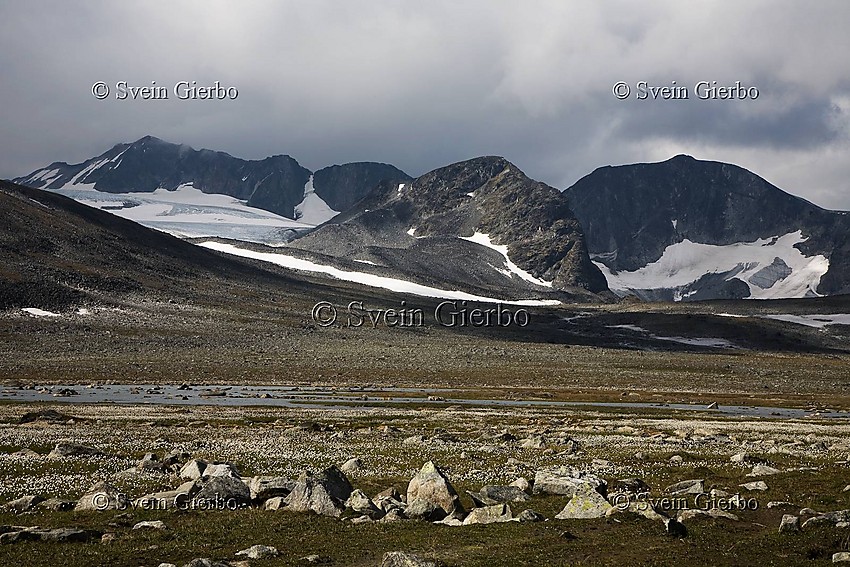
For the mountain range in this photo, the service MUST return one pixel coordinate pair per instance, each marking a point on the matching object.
(682, 229)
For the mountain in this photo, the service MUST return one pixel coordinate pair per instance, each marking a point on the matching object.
(481, 226)
(150, 170)
(56, 253)
(692, 229)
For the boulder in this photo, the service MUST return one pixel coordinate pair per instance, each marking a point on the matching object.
(747, 459)
(529, 515)
(193, 470)
(351, 466)
(789, 524)
(225, 491)
(565, 481)
(763, 470)
(495, 494)
(687, 515)
(150, 525)
(25, 453)
(102, 496)
(533, 442)
(841, 557)
(828, 518)
(265, 487)
(756, 485)
(58, 505)
(394, 515)
(65, 449)
(221, 469)
(205, 562)
(167, 499)
(55, 535)
(150, 462)
(521, 483)
(402, 559)
(258, 552)
(274, 503)
(362, 504)
(24, 503)
(694, 486)
(586, 503)
(489, 515)
(431, 496)
(324, 493)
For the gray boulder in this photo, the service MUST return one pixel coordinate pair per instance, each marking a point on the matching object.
(489, 515)
(496, 494)
(55, 535)
(431, 496)
(65, 449)
(402, 559)
(265, 487)
(58, 505)
(258, 552)
(694, 486)
(530, 515)
(789, 524)
(193, 470)
(324, 493)
(586, 503)
(224, 491)
(168, 499)
(24, 503)
(565, 481)
(102, 496)
(362, 504)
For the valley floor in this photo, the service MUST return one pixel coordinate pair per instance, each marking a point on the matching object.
(574, 355)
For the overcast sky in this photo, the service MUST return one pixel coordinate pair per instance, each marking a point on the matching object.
(423, 84)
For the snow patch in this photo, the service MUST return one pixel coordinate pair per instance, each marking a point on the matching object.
(817, 321)
(412, 231)
(189, 212)
(484, 240)
(371, 280)
(675, 223)
(400, 187)
(710, 342)
(684, 263)
(313, 209)
(36, 312)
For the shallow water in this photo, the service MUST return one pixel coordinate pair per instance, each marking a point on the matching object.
(300, 396)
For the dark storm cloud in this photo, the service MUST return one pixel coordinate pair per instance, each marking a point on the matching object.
(422, 84)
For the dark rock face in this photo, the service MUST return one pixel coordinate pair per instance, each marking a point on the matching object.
(274, 184)
(341, 186)
(486, 195)
(631, 213)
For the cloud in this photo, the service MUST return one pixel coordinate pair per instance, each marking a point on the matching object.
(423, 84)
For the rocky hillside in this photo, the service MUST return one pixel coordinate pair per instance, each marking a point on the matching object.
(691, 229)
(277, 184)
(479, 225)
(55, 252)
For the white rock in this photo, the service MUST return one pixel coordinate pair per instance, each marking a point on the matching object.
(756, 485)
(258, 552)
(152, 525)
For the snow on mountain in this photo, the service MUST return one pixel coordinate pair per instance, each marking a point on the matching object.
(372, 280)
(771, 267)
(189, 212)
(313, 210)
(484, 240)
